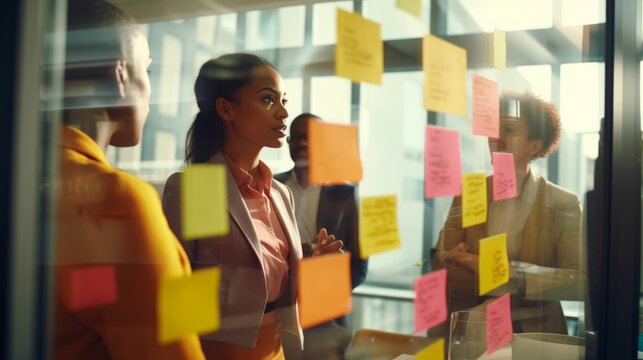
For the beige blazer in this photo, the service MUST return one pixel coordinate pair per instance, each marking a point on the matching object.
(551, 244)
(242, 293)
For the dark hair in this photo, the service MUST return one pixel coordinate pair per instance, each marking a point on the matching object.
(303, 116)
(542, 119)
(218, 78)
(98, 34)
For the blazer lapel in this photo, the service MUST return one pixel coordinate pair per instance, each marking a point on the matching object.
(237, 208)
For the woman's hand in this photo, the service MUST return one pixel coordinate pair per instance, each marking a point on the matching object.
(327, 244)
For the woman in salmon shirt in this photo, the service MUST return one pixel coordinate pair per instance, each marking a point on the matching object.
(242, 109)
(114, 245)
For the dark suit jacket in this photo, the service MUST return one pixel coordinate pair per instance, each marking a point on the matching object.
(337, 212)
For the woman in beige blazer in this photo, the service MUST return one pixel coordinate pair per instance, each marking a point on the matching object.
(242, 109)
(542, 225)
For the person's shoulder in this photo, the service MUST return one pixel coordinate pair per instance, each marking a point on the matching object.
(558, 195)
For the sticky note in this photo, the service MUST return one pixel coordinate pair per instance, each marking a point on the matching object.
(92, 286)
(204, 201)
(504, 176)
(499, 51)
(485, 107)
(493, 263)
(189, 304)
(378, 230)
(445, 76)
(333, 154)
(359, 53)
(434, 351)
(430, 300)
(413, 7)
(499, 329)
(474, 199)
(442, 169)
(324, 285)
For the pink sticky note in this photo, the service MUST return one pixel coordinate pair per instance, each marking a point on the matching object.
(443, 172)
(92, 286)
(499, 329)
(430, 300)
(486, 107)
(504, 176)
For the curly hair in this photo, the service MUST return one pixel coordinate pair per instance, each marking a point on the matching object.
(542, 119)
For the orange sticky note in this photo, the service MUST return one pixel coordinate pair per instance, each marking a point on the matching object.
(499, 51)
(378, 230)
(474, 199)
(189, 305)
(359, 53)
(324, 288)
(485, 107)
(445, 76)
(333, 154)
(434, 351)
(499, 328)
(204, 201)
(493, 263)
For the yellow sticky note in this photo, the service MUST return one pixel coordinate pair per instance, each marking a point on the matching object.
(359, 53)
(378, 230)
(493, 264)
(413, 7)
(189, 305)
(445, 76)
(204, 201)
(499, 49)
(474, 199)
(324, 288)
(434, 351)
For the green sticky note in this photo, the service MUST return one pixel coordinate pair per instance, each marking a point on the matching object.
(204, 201)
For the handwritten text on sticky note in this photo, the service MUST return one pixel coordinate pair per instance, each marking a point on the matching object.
(378, 230)
(430, 300)
(493, 264)
(474, 199)
(333, 154)
(443, 172)
(92, 286)
(189, 304)
(486, 107)
(434, 351)
(359, 53)
(204, 201)
(499, 329)
(324, 288)
(445, 76)
(504, 176)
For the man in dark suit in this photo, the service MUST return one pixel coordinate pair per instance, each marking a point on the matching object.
(331, 207)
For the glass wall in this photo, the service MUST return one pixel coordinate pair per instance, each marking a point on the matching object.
(551, 55)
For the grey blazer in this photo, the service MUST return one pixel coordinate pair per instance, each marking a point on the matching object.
(242, 293)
